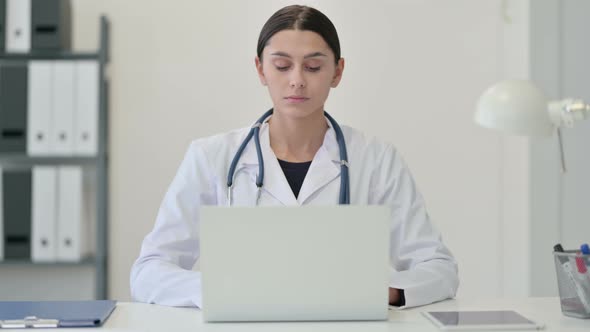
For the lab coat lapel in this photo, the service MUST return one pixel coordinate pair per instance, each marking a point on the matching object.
(324, 168)
(275, 183)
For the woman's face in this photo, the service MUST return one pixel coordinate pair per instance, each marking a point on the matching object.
(299, 69)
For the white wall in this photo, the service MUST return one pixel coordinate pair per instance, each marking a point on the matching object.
(575, 66)
(513, 182)
(414, 69)
(545, 56)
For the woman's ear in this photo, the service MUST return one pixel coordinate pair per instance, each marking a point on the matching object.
(338, 73)
(258, 63)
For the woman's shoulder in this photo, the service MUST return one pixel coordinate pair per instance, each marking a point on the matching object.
(217, 149)
(220, 141)
(357, 140)
(378, 155)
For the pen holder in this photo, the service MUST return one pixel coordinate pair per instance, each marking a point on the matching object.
(573, 280)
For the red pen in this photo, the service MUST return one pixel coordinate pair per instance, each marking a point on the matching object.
(582, 269)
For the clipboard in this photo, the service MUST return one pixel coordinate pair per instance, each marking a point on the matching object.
(48, 314)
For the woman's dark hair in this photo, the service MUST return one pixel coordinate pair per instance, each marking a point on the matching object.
(300, 18)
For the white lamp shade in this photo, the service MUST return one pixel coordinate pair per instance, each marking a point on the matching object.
(514, 106)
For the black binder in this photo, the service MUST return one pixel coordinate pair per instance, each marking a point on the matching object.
(50, 25)
(16, 196)
(2, 24)
(13, 106)
(44, 314)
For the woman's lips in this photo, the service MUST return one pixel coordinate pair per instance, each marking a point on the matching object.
(296, 99)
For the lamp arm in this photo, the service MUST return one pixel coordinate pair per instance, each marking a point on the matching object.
(565, 112)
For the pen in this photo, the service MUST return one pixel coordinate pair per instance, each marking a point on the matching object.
(585, 249)
(583, 273)
(581, 265)
(570, 273)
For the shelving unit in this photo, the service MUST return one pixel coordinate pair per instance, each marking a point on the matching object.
(100, 162)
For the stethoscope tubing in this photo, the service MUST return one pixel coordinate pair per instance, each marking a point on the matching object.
(344, 197)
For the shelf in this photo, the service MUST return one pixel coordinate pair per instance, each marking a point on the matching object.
(50, 55)
(90, 261)
(22, 159)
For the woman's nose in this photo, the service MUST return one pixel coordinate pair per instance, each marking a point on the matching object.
(297, 85)
(297, 80)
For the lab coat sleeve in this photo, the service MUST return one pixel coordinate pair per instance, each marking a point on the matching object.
(162, 273)
(421, 264)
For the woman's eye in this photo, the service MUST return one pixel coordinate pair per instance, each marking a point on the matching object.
(308, 68)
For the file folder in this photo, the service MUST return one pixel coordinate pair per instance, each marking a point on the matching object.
(40, 116)
(18, 26)
(16, 204)
(13, 106)
(44, 314)
(50, 21)
(63, 108)
(86, 95)
(2, 23)
(44, 214)
(72, 225)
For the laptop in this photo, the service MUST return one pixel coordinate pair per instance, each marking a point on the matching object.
(295, 263)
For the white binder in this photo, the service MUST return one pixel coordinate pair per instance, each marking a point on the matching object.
(1, 216)
(63, 108)
(86, 95)
(44, 214)
(40, 107)
(72, 226)
(18, 26)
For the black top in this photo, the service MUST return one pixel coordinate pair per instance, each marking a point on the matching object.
(295, 174)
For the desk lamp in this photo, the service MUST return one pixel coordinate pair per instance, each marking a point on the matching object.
(519, 107)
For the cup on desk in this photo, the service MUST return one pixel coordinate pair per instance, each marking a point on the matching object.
(573, 280)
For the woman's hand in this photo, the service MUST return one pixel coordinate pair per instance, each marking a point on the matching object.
(393, 295)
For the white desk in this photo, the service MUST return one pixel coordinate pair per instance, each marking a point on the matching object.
(145, 317)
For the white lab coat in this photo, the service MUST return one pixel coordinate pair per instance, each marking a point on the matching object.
(420, 262)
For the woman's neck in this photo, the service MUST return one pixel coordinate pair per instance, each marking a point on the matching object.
(297, 139)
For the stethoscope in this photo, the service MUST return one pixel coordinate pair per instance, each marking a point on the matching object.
(255, 131)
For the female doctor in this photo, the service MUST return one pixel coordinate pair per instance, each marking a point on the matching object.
(306, 158)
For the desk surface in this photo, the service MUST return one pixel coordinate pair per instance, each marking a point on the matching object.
(146, 317)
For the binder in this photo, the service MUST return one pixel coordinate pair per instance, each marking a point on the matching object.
(71, 224)
(44, 314)
(50, 20)
(16, 203)
(40, 116)
(18, 26)
(13, 107)
(2, 23)
(86, 96)
(1, 217)
(63, 108)
(44, 214)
